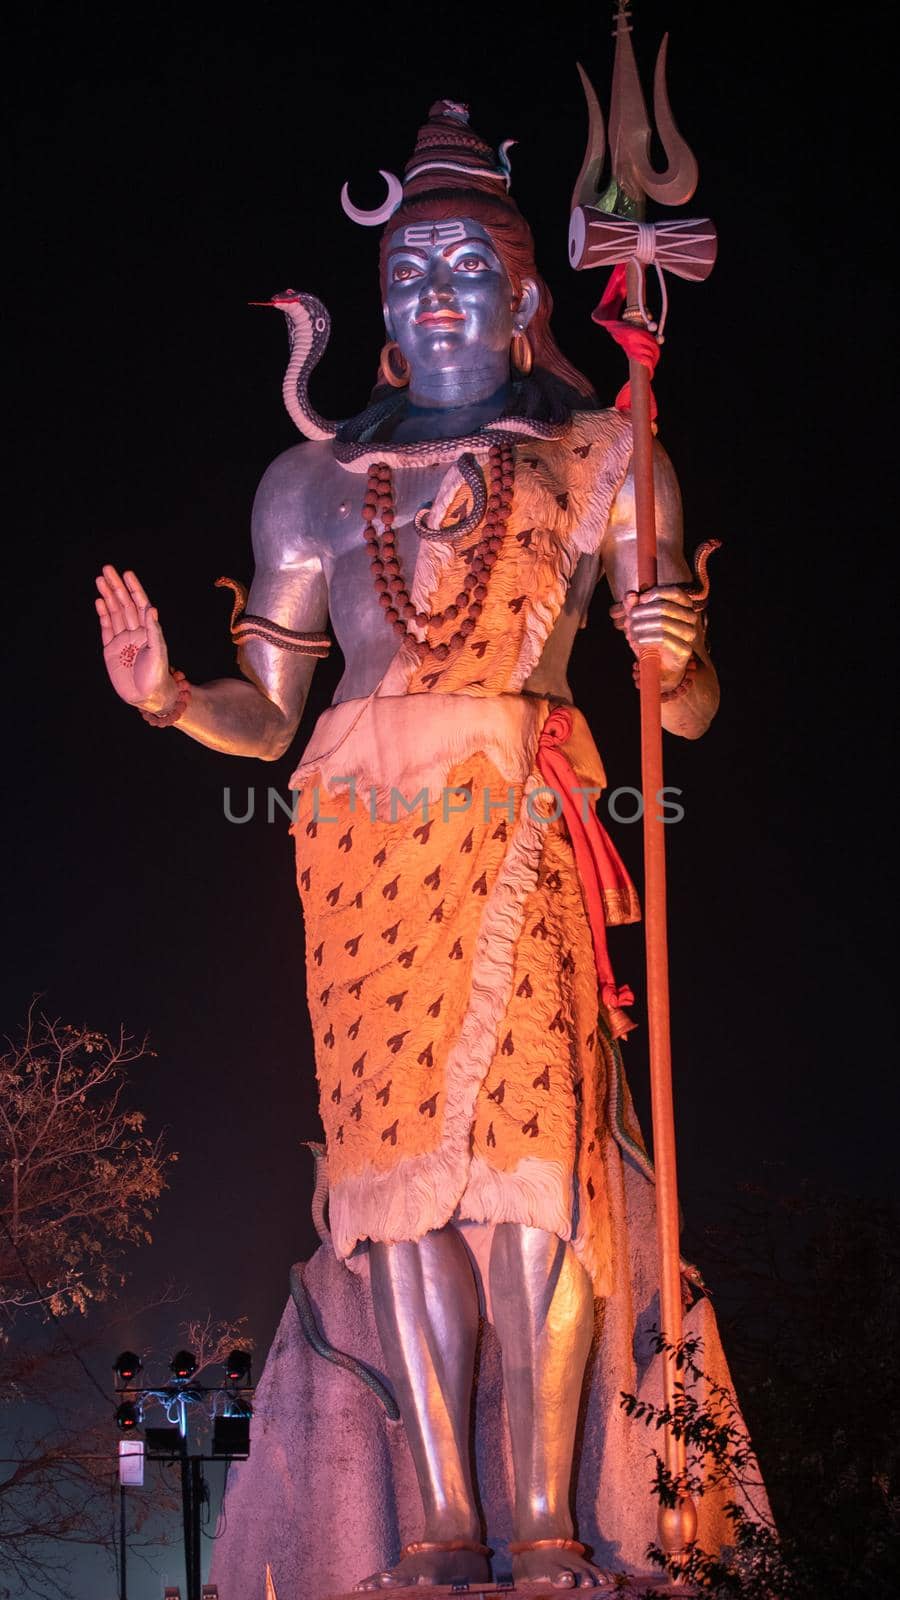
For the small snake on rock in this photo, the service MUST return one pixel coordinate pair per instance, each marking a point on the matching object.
(305, 1312)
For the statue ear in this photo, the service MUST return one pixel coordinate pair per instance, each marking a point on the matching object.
(528, 303)
(388, 324)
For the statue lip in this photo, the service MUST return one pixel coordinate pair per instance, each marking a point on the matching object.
(441, 316)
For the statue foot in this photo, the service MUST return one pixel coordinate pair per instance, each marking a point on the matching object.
(557, 1562)
(432, 1563)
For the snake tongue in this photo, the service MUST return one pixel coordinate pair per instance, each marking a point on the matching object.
(287, 297)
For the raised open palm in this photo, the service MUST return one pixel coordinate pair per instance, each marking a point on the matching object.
(134, 648)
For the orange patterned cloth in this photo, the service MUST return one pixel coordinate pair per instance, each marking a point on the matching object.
(451, 972)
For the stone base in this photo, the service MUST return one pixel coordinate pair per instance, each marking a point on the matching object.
(631, 1586)
(329, 1492)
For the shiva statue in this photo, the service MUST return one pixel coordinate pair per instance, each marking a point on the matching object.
(462, 1001)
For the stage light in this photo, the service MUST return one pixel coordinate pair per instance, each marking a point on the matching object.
(237, 1367)
(210, 1591)
(231, 1436)
(128, 1417)
(183, 1365)
(171, 1592)
(163, 1443)
(127, 1366)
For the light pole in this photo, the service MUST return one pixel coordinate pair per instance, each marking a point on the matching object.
(230, 1439)
(123, 1546)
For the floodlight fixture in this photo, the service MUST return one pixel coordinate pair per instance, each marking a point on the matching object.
(164, 1444)
(127, 1366)
(231, 1436)
(128, 1417)
(237, 1367)
(183, 1365)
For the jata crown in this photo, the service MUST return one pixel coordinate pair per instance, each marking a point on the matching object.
(448, 155)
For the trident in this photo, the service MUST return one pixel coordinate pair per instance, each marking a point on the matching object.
(608, 229)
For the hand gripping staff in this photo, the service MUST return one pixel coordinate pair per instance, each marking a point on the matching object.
(608, 229)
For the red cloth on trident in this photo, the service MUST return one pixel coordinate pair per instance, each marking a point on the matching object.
(600, 867)
(638, 344)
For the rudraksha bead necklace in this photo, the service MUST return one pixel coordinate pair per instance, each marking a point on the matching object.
(390, 586)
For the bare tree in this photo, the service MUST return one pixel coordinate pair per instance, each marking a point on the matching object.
(79, 1177)
(79, 1183)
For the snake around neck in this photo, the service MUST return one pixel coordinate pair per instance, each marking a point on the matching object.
(353, 441)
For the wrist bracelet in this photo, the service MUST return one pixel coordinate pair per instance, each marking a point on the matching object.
(164, 719)
(690, 672)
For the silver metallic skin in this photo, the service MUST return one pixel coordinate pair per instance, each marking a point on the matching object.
(311, 564)
(451, 309)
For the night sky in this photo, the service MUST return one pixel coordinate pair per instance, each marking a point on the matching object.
(169, 167)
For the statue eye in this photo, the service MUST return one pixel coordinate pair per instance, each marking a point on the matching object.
(403, 271)
(471, 263)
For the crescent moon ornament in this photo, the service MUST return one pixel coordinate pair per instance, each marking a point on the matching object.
(372, 219)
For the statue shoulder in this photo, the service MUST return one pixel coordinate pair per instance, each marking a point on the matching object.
(290, 506)
(598, 447)
(603, 441)
(298, 472)
(600, 433)
(667, 495)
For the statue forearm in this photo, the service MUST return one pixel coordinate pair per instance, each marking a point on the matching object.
(235, 717)
(689, 715)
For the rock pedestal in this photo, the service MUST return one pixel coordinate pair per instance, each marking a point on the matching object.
(329, 1495)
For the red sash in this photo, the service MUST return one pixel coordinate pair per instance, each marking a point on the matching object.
(601, 870)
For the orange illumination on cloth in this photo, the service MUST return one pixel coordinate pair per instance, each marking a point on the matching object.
(419, 1127)
(392, 910)
(455, 951)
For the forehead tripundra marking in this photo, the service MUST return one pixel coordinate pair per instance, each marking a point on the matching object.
(434, 233)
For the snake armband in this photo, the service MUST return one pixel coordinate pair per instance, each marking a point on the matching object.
(244, 625)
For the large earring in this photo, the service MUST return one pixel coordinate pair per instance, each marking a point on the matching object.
(521, 352)
(397, 377)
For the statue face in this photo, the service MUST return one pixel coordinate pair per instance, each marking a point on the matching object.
(449, 302)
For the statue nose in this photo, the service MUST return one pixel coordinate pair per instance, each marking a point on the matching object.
(438, 284)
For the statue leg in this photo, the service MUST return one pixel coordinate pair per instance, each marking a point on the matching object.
(426, 1311)
(543, 1309)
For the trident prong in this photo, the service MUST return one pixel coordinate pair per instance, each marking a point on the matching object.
(587, 184)
(629, 128)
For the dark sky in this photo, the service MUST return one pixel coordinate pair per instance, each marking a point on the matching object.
(170, 167)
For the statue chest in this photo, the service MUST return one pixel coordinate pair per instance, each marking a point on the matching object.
(538, 588)
(353, 602)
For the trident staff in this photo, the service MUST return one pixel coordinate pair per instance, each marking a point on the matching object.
(608, 229)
